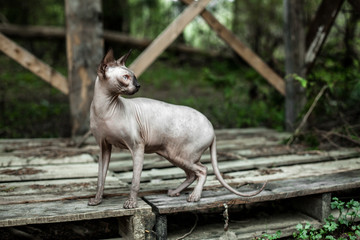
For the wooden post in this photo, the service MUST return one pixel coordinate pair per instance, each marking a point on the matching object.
(316, 206)
(161, 226)
(84, 46)
(294, 60)
(137, 226)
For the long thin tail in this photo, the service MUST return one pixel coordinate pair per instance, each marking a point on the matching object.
(221, 179)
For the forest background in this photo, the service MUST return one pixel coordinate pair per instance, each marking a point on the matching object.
(215, 80)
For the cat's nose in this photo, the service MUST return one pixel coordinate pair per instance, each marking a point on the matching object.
(136, 83)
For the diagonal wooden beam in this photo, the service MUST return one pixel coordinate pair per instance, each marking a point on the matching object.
(246, 53)
(167, 37)
(319, 29)
(35, 65)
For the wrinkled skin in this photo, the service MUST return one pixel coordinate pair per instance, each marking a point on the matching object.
(178, 133)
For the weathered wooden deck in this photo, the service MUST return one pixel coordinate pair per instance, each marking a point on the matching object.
(46, 181)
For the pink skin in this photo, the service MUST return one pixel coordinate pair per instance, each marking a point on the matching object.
(178, 133)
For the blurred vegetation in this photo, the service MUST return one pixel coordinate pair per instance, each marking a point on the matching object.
(224, 88)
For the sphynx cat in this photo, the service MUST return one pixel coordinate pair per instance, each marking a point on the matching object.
(178, 133)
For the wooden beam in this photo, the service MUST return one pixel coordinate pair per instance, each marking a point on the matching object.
(32, 63)
(84, 48)
(30, 31)
(167, 37)
(50, 32)
(319, 30)
(246, 53)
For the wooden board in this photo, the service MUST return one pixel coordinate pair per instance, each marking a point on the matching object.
(66, 211)
(12, 174)
(258, 175)
(9, 160)
(57, 190)
(274, 191)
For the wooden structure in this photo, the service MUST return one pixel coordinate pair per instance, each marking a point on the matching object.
(48, 181)
(85, 42)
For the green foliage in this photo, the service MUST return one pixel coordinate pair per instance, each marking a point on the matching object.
(301, 80)
(29, 107)
(342, 227)
(267, 236)
(39, 12)
(249, 101)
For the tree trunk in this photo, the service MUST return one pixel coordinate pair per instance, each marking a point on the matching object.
(349, 39)
(294, 60)
(84, 48)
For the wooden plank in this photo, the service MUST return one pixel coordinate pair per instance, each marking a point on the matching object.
(257, 176)
(59, 186)
(58, 190)
(167, 37)
(9, 160)
(29, 31)
(296, 171)
(66, 211)
(11, 145)
(246, 53)
(32, 63)
(12, 174)
(84, 50)
(319, 29)
(282, 189)
(239, 165)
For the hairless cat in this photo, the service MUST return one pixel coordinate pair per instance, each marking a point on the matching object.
(178, 133)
